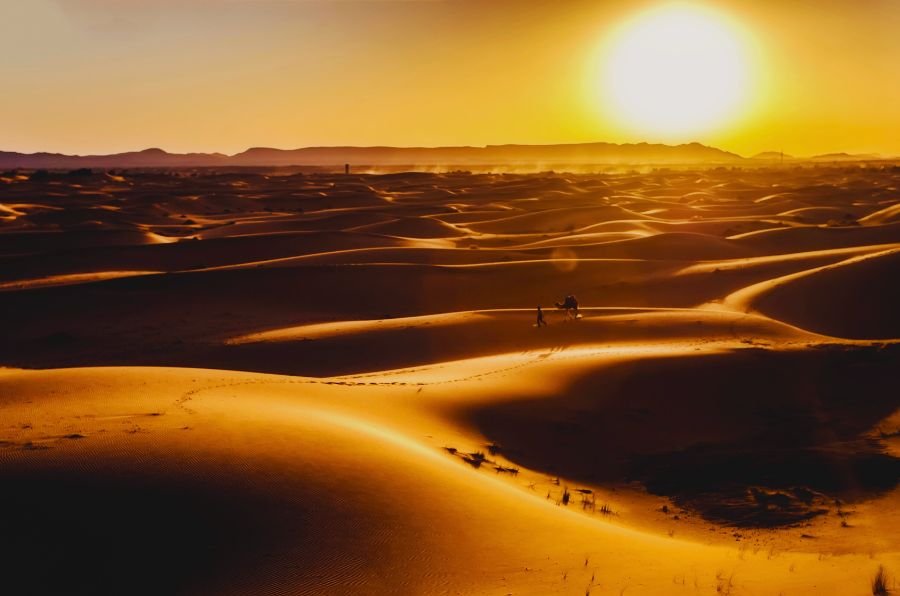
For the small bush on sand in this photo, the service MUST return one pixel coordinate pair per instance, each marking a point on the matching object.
(474, 459)
(880, 583)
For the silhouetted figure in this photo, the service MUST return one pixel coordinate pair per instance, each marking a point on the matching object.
(346, 168)
(570, 305)
(540, 317)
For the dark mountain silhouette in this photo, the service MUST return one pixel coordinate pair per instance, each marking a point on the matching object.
(772, 156)
(846, 157)
(132, 159)
(583, 153)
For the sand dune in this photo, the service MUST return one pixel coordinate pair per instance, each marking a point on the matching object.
(14, 244)
(412, 228)
(887, 215)
(785, 240)
(827, 299)
(316, 349)
(320, 510)
(252, 382)
(566, 219)
(732, 432)
(666, 246)
(189, 255)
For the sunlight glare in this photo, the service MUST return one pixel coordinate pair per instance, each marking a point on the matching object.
(676, 70)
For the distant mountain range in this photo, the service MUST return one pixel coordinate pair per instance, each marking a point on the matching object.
(584, 153)
(847, 157)
(535, 155)
(772, 156)
(778, 156)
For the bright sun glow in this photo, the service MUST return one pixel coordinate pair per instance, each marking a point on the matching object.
(676, 70)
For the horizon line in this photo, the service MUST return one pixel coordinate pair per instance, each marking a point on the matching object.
(214, 153)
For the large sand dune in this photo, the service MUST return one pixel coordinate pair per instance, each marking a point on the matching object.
(256, 383)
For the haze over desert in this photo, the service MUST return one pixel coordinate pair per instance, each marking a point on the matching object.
(449, 297)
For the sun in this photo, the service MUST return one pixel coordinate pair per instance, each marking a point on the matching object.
(676, 70)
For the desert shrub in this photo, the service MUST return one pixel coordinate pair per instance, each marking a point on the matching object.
(880, 583)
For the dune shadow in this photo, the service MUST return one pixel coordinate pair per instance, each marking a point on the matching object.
(78, 532)
(750, 438)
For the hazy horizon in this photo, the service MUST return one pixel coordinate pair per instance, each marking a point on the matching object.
(439, 147)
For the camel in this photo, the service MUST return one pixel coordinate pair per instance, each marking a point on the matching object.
(570, 305)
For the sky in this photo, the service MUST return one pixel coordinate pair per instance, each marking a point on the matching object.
(103, 76)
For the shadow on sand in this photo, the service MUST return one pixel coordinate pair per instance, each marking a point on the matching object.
(751, 438)
(80, 531)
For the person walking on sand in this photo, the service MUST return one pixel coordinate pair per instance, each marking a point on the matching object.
(540, 317)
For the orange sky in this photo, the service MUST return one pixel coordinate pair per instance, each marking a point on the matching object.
(88, 76)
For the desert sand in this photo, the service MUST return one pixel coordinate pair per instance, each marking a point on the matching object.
(258, 382)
